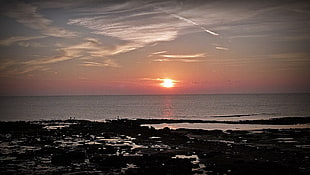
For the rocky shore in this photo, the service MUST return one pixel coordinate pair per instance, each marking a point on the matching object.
(126, 147)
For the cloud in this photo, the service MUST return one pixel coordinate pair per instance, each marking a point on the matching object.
(83, 49)
(198, 55)
(145, 23)
(141, 23)
(293, 56)
(50, 60)
(104, 63)
(241, 18)
(28, 15)
(221, 48)
(179, 60)
(137, 25)
(10, 68)
(194, 23)
(30, 44)
(185, 58)
(158, 53)
(69, 4)
(158, 79)
(129, 30)
(25, 70)
(249, 36)
(6, 63)
(14, 39)
(89, 49)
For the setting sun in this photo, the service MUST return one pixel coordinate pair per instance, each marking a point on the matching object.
(167, 83)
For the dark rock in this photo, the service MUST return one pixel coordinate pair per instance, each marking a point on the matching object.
(66, 158)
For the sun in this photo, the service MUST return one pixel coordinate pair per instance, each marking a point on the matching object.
(167, 83)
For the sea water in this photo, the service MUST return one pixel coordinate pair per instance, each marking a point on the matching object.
(201, 107)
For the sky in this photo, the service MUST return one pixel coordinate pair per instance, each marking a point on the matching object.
(128, 47)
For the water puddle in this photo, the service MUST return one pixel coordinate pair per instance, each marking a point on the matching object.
(303, 146)
(198, 167)
(194, 158)
(52, 127)
(286, 140)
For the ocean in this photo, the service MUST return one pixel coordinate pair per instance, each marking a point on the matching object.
(201, 107)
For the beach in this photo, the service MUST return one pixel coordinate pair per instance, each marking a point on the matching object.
(127, 146)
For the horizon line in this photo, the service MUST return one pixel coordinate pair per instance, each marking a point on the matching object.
(68, 95)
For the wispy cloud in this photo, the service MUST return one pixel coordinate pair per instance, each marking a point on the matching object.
(104, 63)
(30, 44)
(55, 59)
(221, 48)
(6, 63)
(129, 30)
(24, 70)
(295, 56)
(89, 49)
(186, 58)
(158, 53)
(198, 55)
(178, 60)
(193, 23)
(154, 79)
(14, 39)
(28, 15)
(157, 80)
(185, 19)
(138, 25)
(249, 36)
(118, 27)
(10, 68)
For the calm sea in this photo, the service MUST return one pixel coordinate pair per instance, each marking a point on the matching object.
(206, 107)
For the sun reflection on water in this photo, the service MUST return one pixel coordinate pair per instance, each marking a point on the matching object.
(167, 110)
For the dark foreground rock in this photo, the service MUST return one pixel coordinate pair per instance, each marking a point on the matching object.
(125, 147)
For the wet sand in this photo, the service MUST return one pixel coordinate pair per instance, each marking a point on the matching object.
(128, 147)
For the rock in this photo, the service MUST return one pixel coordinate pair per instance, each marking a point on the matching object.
(66, 158)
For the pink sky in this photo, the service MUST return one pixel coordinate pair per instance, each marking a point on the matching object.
(128, 47)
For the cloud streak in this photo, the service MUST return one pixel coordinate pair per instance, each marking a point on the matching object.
(10, 68)
(30, 44)
(198, 55)
(129, 30)
(178, 60)
(15, 39)
(104, 63)
(194, 23)
(185, 58)
(157, 79)
(28, 15)
(138, 25)
(221, 48)
(89, 49)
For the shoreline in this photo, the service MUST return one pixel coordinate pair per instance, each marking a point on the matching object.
(247, 125)
(126, 147)
(272, 121)
(288, 120)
